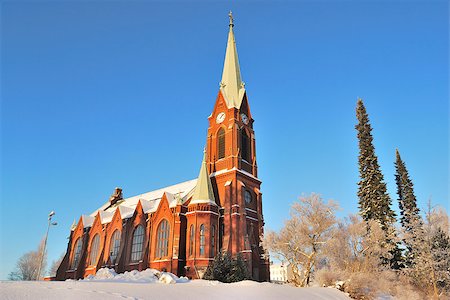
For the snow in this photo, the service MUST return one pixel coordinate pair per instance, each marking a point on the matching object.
(87, 221)
(150, 200)
(148, 288)
(105, 216)
(146, 276)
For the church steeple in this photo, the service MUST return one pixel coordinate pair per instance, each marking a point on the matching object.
(203, 192)
(231, 86)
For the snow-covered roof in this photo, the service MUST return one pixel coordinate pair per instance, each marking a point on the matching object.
(87, 220)
(105, 216)
(176, 194)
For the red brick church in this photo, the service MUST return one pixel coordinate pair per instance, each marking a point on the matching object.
(181, 228)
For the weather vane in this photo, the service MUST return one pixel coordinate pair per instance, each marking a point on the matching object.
(231, 18)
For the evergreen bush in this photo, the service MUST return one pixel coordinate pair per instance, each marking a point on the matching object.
(226, 269)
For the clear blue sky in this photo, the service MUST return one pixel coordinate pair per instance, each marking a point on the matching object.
(99, 94)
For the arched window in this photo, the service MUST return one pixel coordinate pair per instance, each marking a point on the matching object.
(77, 253)
(94, 250)
(162, 243)
(138, 243)
(221, 143)
(245, 146)
(114, 246)
(213, 241)
(202, 240)
(191, 240)
(221, 234)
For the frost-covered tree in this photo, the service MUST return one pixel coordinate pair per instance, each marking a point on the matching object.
(301, 241)
(374, 201)
(410, 214)
(431, 270)
(55, 265)
(354, 249)
(27, 266)
(440, 249)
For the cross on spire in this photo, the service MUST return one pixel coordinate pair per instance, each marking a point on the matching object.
(230, 15)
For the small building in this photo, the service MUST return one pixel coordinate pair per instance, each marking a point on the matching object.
(278, 273)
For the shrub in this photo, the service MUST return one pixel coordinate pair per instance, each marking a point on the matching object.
(226, 269)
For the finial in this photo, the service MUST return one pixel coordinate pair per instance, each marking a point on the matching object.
(230, 15)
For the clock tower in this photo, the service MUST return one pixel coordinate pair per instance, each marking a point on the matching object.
(231, 163)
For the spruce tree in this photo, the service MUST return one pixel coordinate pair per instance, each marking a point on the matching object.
(225, 269)
(410, 215)
(440, 248)
(239, 270)
(374, 201)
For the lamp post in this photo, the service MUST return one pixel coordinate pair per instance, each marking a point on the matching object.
(50, 223)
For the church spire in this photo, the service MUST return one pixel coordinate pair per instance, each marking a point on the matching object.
(203, 192)
(231, 86)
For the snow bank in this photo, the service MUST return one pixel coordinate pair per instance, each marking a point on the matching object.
(194, 289)
(146, 276)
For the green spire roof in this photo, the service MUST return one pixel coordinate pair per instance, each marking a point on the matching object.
(203, 192)
(231, 86)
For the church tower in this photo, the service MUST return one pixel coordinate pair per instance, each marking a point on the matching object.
(231, 162)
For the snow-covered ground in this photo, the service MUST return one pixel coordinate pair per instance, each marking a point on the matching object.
(152, 284)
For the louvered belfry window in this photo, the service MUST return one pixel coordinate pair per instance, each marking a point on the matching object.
(221, 144)
(245, 147)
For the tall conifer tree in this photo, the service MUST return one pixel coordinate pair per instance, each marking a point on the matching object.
(410, 218)
(374, 201)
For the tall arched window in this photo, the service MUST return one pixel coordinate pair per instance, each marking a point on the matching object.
(137, 244)
(213, 241)
(114, 246)
(77, 253)
(191, 240)
(162, 243)
(221, 234)
(245, 145)
(221, 143)
(202, 240)
(94, 250)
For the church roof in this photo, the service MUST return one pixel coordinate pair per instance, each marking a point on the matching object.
(231, 85)
(176, 194)
(203, 192)
(87, 220)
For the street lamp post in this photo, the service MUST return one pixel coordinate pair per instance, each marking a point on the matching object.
(50, 215)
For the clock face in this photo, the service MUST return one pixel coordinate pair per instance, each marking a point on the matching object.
(244, 118)
(220, 117)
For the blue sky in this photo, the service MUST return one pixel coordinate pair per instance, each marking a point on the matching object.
(99, 94)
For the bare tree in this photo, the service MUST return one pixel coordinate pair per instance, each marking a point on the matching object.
(55, 265)
(27, 266)
(303, 236)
